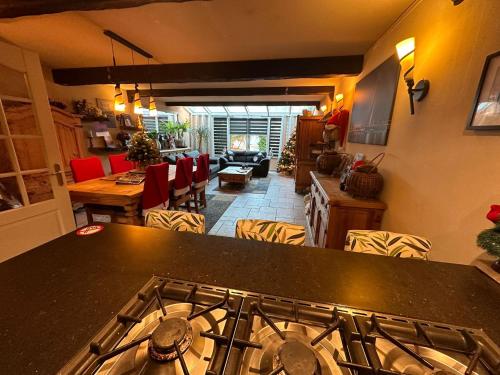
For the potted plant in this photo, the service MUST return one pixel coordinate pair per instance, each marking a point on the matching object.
(181, 128)
(201, 135)
(489, 239)
(143, 150)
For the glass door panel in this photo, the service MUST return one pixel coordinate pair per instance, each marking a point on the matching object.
(38, 187)
(10, 195)
(20, 117)
(30, 153)
(13, 83)
(5, 162)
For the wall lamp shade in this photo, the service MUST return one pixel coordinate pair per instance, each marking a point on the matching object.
(119, 103)
(137, 102)
(339, 97)
(406, 55)
(152, 107)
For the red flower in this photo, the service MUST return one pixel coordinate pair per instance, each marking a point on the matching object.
(494, 214)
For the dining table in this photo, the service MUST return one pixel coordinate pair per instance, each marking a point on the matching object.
(122, 202)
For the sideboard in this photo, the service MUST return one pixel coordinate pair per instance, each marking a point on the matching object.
(333, 212)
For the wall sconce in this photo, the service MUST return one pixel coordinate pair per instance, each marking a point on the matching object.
(339, 98)
(406, 54)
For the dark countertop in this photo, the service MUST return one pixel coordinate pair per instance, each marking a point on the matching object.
(57, 296)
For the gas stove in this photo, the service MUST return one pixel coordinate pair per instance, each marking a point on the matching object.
(178, 327)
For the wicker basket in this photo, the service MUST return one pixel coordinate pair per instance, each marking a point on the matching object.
(364, 182)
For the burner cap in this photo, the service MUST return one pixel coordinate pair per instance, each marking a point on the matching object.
(161, 345)
(167, 332)
(297, 359)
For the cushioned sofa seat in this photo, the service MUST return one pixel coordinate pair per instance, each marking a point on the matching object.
(255, 159)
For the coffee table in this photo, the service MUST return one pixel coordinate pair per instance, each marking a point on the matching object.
(234, 174)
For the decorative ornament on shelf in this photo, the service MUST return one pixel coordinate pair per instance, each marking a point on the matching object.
(88, 112)
(286, 162)
(489, 239)
(143, 150)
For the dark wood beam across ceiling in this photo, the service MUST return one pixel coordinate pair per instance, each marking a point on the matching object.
(315, 103)
(20, 8)
(234, 91)
(313, 67)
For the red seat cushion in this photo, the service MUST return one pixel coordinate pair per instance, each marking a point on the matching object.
(119, 163)
(86, 168)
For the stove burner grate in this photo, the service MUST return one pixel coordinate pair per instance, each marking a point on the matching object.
(172, 331)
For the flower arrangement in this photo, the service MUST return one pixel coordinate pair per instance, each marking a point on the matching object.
(489, 239)
(143, 150)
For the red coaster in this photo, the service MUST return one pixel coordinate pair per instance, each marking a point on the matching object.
(89, 230)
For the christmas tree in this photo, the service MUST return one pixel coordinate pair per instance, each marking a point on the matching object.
(143, 150)
(286, 163)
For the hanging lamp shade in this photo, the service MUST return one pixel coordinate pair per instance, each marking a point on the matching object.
(137, 102)
(119, 103)
(152, 107)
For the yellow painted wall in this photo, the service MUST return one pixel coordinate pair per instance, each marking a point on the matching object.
(440, 179)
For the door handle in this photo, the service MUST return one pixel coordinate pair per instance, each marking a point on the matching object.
(58, 172)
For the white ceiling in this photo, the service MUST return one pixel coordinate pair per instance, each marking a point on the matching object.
(217, 30)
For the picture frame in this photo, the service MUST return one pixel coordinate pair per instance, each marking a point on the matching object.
(485, 113)
(107, 108)
(126, 122)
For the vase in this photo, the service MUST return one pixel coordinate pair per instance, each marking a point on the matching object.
(496, 265)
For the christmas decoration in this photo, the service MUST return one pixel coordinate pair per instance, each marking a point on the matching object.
(286, 163)
(489, 239)
(143, 150)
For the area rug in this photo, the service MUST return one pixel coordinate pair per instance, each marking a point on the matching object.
(255, 185)
(216, 206)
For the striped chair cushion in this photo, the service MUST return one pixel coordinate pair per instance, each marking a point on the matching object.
(388, 244)
(176, 220)
(270, 231)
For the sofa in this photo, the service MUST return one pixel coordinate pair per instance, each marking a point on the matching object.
(213, 162)
(256, 159)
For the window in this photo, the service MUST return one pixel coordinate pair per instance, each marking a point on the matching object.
(238, 142)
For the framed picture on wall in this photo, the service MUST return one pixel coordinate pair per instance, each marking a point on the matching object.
(107, 108)
(485, 114)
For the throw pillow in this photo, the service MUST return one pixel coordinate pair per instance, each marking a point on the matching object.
(230, 155)
(255, 159)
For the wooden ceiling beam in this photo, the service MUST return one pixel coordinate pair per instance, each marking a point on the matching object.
(315, 103)
(313, 67)
(20, 8)
(235, 91)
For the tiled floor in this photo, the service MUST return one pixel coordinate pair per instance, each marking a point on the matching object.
(280, 203)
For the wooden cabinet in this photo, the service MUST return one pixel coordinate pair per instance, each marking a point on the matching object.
(70, 138)
(333, 212)
(309, 141)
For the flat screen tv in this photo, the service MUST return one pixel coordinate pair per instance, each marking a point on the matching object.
(373, 103)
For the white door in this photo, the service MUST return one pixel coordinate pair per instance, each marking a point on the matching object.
(34, 203)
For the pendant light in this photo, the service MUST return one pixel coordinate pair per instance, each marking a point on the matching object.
(152, 105)
(119, 103)
(138, 110)
(137, 101)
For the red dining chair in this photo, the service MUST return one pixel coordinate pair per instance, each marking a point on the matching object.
(182, 184)
(86, 168)
(156, 193)
(119, 164)
(200, 180)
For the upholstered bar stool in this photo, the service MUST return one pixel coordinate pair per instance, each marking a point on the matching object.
(271, 231)
(176, 220)
(388, 243)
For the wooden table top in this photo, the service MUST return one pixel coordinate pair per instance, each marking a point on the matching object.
(108, 186)
(235, 171)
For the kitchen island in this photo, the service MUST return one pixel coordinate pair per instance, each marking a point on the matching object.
(57, 296)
